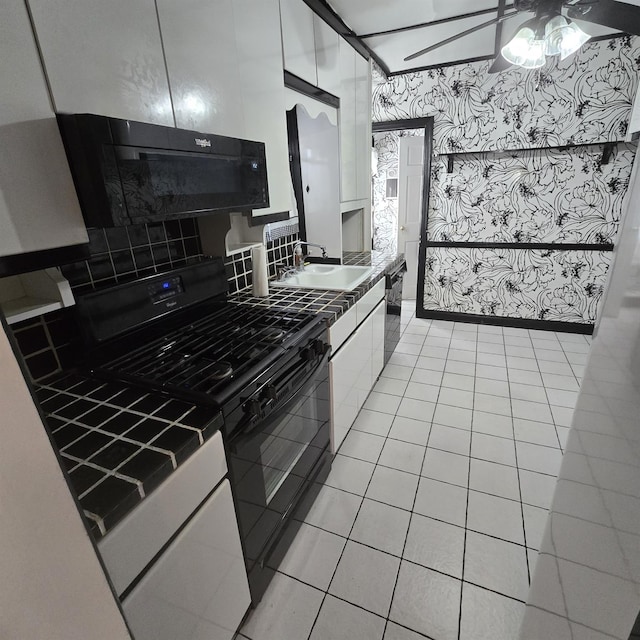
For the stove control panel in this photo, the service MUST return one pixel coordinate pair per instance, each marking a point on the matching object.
(162, 290)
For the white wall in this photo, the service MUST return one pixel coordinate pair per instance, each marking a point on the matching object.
(586, 582)
(51, 583)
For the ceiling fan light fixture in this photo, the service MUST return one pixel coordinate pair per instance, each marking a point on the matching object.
(572, 40)
(524, 49)
(563, 37)
(553, 32)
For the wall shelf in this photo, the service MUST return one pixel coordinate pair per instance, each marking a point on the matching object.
(32, 294)
(607, 150)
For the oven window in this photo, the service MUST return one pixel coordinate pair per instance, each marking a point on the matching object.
(291, 438)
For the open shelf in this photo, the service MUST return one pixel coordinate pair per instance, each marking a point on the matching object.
(31, 294)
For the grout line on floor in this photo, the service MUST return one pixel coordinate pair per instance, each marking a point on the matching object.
(466, 513)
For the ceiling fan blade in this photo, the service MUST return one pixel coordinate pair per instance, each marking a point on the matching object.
(499, 65)
(462, 34)
(617, 15)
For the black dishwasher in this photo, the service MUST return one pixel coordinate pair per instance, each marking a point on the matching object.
(393, 298)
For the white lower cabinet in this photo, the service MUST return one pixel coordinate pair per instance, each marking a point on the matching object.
(198, 588)
(354, 368)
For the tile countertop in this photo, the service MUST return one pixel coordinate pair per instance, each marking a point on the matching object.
(330, 303)
(119, 443)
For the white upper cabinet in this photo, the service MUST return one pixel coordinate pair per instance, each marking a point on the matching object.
(202, 64)
(298, 40)
(363, 127)
(348, 170)
(104, 57)
(327, 56)
(259, 48)
(38, 204)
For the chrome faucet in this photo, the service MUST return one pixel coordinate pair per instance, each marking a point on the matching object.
(298, 255)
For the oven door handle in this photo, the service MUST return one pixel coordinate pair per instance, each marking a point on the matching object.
(249, 423)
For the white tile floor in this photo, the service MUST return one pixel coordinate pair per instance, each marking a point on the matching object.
(429, 523)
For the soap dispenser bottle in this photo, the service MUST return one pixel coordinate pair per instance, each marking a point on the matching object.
(298, 257)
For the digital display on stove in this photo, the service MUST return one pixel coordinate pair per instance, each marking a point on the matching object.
(164, 289)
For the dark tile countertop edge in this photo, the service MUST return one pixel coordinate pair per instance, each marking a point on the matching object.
(331, 303)
(119, 443)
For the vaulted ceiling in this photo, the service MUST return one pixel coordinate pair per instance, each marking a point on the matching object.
(394, 29)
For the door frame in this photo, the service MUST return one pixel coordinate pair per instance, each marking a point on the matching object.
(427, 125)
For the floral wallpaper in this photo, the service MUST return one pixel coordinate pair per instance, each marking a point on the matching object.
(534, 284)
(541, 195)
(585, 98)
(512, 187)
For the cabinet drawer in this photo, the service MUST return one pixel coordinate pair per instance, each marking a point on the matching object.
(342, 328)
(129, 547)
(369, 301)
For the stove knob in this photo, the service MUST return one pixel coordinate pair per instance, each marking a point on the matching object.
(269, 393)
(252, 407)
(307, 353)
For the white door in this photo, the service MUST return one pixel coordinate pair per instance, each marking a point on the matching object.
(411, 150)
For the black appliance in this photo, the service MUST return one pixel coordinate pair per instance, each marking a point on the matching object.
(129, 172)
(393, 297)
(266, 370)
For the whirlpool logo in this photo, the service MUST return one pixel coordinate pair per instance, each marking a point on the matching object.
(203, 142)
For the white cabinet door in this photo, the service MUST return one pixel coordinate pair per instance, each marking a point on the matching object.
(327, 56)
(202, 64)
(378, 317)
(38, 203)
(363, 355)
(350, 374)
(319, 167)
(344, 370)
(198, 587)
(298, 40)
(348, 171)
(104, 57)
(259, 46)
(363, 127)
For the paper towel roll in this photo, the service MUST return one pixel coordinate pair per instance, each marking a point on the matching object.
(260, 271)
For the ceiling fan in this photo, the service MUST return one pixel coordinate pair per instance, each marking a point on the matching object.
(549, 32)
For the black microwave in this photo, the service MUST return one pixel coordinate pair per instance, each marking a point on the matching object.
(129, 172)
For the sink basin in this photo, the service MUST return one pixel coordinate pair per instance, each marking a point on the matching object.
(320, 276)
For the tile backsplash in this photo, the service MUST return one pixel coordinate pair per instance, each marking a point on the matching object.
(240, 269)
(48, 343)
(121, 254)
(51, 343)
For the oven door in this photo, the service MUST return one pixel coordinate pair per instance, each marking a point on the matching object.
(273, 461)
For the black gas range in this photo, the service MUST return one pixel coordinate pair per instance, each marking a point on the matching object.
(265, 370)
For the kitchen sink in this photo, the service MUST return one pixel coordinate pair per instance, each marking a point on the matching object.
(320, 276)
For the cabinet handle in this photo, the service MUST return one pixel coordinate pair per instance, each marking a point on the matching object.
(401, 228)
(307, 189)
